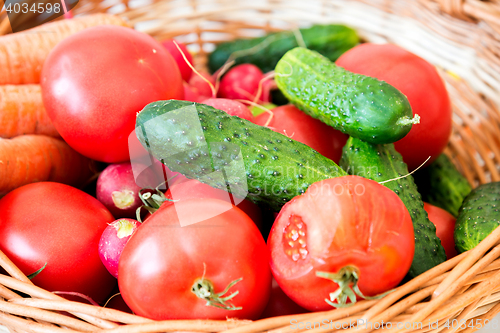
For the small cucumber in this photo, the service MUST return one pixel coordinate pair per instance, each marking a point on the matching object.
(358, 105)
(442, 185)
(207, 144)
(478, 216)
(381, 163)
(264, 52)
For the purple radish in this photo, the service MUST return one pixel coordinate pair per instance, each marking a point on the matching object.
(231, 107)
(118, 189)
(113, 240)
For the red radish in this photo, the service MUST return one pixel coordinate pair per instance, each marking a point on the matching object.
(194, 189)
(118, 189)
(242, 82)
(191, 94)
(186, 71)
(289, 120)
(113, 240)
(231, 107)
(200, 86)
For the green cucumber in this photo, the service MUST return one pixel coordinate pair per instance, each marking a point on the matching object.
(478, 216)
(382, 163)
(207, 144)
(442, 185)
(358, 105)
(264, 52)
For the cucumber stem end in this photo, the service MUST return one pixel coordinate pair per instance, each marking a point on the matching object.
(404, 121)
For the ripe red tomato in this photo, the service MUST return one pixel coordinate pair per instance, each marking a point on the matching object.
(194, 189)
(445, 228)
(289, 120)
(164, 260)
(94, 83)
(422, 85)
(59, 225)
(338, 226)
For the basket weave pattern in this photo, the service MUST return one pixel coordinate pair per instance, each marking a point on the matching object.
(461, 37)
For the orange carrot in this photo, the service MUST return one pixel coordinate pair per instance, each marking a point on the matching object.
(34, 158)
(22, 54)
(22, 111)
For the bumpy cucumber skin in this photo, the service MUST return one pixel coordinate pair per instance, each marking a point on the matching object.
(478, 216)
(329, 40)
(442, 185)
(383, 162)
(358, 105)
(276, 168)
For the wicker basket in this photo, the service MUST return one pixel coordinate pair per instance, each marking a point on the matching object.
(461, 37)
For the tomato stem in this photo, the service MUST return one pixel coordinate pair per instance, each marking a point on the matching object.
(204, 289)
(152, 199)
(347, 279)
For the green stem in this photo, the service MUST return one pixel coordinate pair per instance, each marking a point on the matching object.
(347, 279)
(204, 289)
(152, 199)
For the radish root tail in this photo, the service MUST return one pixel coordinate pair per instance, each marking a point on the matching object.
(212, 88)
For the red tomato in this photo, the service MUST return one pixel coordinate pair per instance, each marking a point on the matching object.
(194, 189)
(341, 223)
(280, 304)
(94, 82)
(445, 228)
(423, 86)
(289, 120)
(59, 225)
(163, 261)
(185, 69)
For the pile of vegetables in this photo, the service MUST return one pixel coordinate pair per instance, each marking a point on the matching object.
(201, 197)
